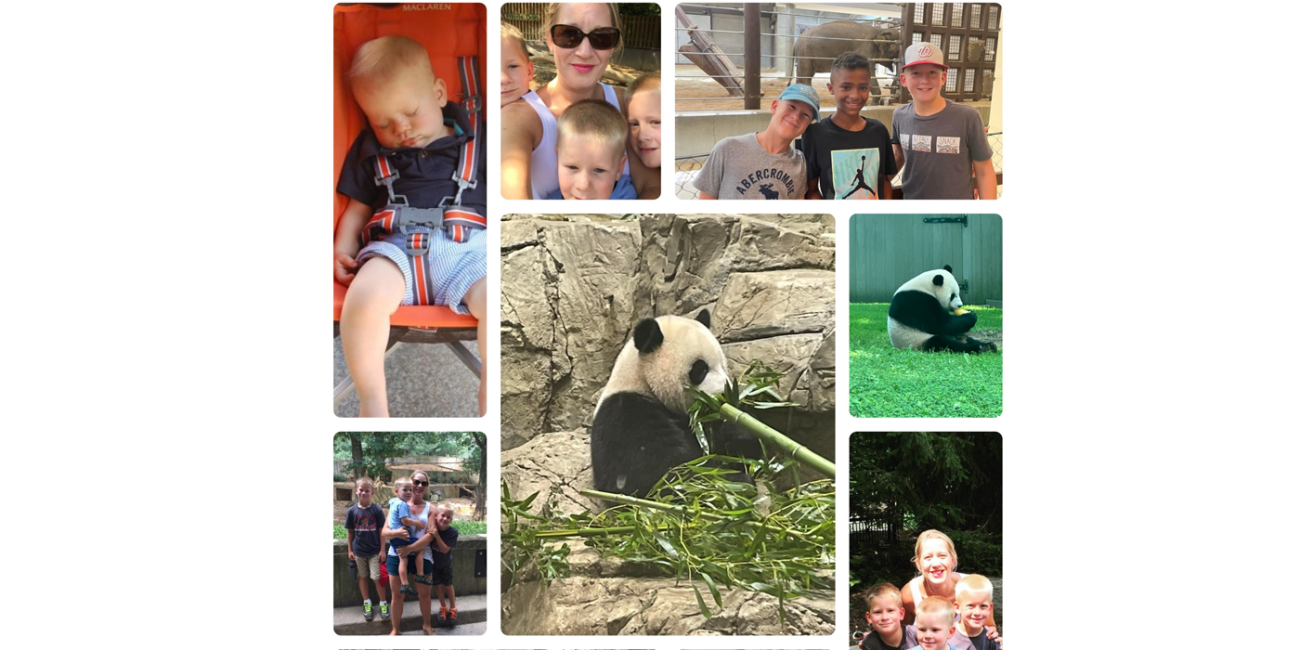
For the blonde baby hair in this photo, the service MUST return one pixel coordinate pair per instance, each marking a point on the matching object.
(387, 58)
(934, 534)
(595, 119)
(940, 606)
(973, 585)
(403, 480)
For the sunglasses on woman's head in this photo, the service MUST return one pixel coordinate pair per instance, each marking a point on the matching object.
(568, 36)
(421, 483)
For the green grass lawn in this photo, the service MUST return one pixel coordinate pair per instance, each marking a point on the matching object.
(889, 383)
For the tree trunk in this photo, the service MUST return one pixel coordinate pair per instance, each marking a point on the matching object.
(356, 455)
(480, 505)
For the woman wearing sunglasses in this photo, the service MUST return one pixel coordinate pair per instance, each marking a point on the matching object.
(582, 37)
(421, 510)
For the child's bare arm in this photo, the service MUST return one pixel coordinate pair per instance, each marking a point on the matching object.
(412, 522)
(347, 240)
(705, 196)
(437, 540)
(986, 179)
(351, 555)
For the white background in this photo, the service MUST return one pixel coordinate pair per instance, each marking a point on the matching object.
(167, 418)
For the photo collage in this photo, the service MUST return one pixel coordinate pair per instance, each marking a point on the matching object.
(623, 418)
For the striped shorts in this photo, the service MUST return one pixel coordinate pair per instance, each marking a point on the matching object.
(441, 277)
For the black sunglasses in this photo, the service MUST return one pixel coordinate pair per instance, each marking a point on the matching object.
(568, 36)
(420, 482)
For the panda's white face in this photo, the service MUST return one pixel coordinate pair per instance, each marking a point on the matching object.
(666, 355)
(939, 283)
(689, 356)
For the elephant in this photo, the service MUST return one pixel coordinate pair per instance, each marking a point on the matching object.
(814, 52)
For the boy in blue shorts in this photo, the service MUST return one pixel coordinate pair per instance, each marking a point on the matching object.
(399, 516)
(413, 230)
(849, 157)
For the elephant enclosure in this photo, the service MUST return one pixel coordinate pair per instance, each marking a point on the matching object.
(707, 95)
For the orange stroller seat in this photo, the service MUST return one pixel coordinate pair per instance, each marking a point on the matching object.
(448, 32)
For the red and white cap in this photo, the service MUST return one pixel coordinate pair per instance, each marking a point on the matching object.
(923, 52)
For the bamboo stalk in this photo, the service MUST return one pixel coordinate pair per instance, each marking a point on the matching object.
(795, 450)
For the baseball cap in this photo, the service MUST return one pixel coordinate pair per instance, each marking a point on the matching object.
(806, 94)
(923, 52)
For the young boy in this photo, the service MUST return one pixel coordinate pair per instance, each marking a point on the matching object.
(590, 150)
(885, 614)
(399, 516)
(403, 161)
(763, 165)
(935, 618)
(644, 124)
(975, 611)
(364, 547)
(516, 65)
(940, 141)
(849, 156)
(444, 540)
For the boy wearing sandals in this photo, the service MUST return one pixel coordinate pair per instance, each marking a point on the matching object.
(399, 516)
(365, 547)
(444, 537)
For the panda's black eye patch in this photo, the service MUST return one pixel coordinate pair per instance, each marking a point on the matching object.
(699, 370)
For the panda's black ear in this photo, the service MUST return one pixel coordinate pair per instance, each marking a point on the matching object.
(947, 268)
(938, 280)
(647, 336)
(704, 318)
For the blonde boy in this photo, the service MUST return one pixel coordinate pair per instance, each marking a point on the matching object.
(943, 143)
(590, 149)
(885, 614)
(935, 618)
(975, 612)
(444, 537)
(516, 65)
(644, 123)
(364, 546)
(399, 516)
(413, 139)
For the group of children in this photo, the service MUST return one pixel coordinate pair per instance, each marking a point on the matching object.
(853, 157)
(961, 619)
(366, 545)
(592, 138)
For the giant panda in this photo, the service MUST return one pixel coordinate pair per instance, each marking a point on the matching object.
(641, 429)
(919, 318)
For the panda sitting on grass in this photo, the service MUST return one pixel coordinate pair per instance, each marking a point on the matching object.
(919, 318)
(641, 429)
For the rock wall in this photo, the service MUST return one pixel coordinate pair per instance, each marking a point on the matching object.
(573, 289)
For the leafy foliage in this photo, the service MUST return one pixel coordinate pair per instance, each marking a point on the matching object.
(885, 382)
(340, 532)
(638, 9)
(947, 481)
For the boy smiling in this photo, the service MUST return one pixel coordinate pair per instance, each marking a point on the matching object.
(763, 165)
(935, 624)
(941, 142)
(885, 614)
(975, 610)
(849, 156)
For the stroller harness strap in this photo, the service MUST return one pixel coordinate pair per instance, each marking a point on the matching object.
(457, 220)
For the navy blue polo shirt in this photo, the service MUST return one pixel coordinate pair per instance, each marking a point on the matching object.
(424, 175)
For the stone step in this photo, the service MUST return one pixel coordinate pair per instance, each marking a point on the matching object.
(471, 618)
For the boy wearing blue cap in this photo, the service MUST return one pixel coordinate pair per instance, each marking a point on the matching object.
(942, 143)
(763, 165)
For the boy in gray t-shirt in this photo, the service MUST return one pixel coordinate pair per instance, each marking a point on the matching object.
(763, 165)
(940, 141)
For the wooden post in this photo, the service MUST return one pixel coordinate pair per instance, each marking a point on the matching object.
(753, 57)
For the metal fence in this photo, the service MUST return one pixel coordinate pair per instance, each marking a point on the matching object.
(777, 43)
